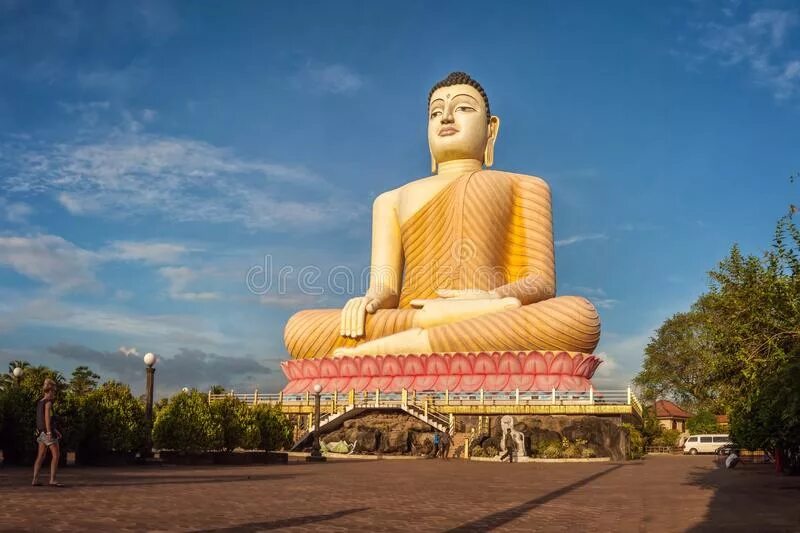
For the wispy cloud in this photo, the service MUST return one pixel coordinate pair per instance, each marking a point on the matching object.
(156, 253)
(15, 212)
(179, 179)
(180, 278)
(574, 239)
(759, 42)
(336, 79)
(49, 259)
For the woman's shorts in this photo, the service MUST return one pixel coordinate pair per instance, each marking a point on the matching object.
(47, 441)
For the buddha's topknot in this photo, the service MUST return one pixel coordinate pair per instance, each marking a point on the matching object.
(462, 78)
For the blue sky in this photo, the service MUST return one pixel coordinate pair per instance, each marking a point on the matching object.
(153, 153)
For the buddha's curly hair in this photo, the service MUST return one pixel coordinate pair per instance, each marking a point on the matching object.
(461, 78)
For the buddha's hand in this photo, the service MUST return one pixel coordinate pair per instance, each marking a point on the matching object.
(441, 311)
(355, 311)
(467, 294)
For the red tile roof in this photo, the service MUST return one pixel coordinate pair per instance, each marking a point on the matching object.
(667, 409)
(722, 419)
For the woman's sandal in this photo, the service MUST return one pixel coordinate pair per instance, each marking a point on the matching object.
(57, 484)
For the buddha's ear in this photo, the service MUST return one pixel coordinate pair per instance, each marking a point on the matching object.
(434, 164)
(493, 129)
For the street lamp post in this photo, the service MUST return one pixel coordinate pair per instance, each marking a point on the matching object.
(150, 362)
(17, 372)
(316, 453)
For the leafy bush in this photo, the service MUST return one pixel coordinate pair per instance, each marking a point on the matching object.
(17, 438)
(550, 450)
(636, 441)
(668, 437)
(274, 427)
(491, 451)
(477, 451)
(237, 422)
(113, 420)
(186, 424)
(587, 453)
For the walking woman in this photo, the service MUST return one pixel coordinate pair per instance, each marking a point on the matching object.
(48, 434)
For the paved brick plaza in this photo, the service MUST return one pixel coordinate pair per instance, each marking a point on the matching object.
(661, 493)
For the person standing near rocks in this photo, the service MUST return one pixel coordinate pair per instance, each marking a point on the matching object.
(435, 443)
(444, 445)
(510, 446)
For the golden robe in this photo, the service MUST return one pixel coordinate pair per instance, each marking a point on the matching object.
(485, 230)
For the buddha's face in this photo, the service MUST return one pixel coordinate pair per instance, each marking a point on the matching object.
(457, 124)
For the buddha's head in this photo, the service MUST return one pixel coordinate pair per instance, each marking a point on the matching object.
(460, 125)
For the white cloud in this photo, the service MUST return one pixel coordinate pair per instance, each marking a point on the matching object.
(574, 239)
(604, 303)
(760, 43)
(156, 253)
(336, 79)
(180, 278)
(49, 259)
(136, 174)
(623, 355)
(15, 212)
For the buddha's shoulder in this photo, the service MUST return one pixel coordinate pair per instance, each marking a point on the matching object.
(513, 177)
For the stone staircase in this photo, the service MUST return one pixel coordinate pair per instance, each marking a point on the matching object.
(331, 421)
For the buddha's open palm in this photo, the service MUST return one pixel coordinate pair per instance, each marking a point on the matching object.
(354, 313)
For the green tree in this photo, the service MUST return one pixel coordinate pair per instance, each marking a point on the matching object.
(187, 425)
(703, 421)
(238, 423)
(274, 426)
(677, 362)
(83, 381)
(114, 421)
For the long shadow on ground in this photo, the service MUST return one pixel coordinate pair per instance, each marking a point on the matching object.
(286, 522)
(501, 518)
(750, 497)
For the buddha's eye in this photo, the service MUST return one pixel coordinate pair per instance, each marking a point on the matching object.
(464, 108)
(436, 113)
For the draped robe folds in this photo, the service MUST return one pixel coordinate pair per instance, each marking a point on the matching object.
(485, 230)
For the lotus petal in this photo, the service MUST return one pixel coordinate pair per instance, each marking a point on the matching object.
(577, 360)
(523, 382)
(584, 368)
(328, 368)
(325, 383)
(350, 366)
(390, 366)
(534, 364)
(401, 382)
(496, 382)
(412, 365)
(484, 364)
(289, 370)
(562, 364)
(297, 386)
(573, 383)
(369, 366)
(380, 382)
(423, 383)
(310, 368)
(509, 364)
(341, 384)
(435, 364)
(359, 383)
(545, 382)
(459, 364)
(471, 382)
(448, 383)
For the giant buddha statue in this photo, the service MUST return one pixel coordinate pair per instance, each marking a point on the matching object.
(462, 261)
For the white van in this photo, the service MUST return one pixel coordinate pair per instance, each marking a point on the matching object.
(705, 443)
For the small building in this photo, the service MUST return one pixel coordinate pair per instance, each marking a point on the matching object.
(723, 423)
(671, 416)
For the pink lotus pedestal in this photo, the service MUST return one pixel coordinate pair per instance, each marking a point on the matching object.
(456, 372)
